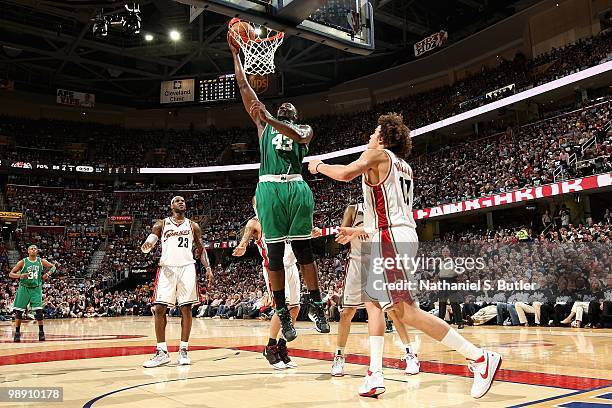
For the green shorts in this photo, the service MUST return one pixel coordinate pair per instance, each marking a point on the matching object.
(284, 210)
(25, 296)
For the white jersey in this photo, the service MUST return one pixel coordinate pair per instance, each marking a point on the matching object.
(292, 274)
(357, 266)
(389, 203)
(177, 243)
(355, 253)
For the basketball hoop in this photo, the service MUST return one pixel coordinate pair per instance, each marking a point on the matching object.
(258, 47)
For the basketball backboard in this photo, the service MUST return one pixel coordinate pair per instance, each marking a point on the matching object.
(344, 24)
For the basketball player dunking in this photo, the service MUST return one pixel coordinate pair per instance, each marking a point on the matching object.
(176, 281)
(353, 290)
(276, 351)
(388, 189)
(284, 201)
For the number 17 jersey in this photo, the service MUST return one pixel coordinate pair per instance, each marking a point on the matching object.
(389, 203)
(176, 243)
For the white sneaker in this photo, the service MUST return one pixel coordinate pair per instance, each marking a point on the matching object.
(484, 369)
(338, 366)
(373, 385)
(183, 358)
(412, 363)
(161, 357)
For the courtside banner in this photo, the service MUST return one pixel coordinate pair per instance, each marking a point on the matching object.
(177, 91)
(73, 98)
(526, 194)
(434, 41)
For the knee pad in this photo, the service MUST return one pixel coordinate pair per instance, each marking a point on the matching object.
(303, 251)
(276, 252)
(38, 314)
(19, 314)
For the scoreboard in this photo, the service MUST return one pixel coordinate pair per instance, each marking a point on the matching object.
(221, 88)
(225, 87)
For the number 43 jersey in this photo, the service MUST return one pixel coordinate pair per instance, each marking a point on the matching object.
(176, 243)
(389, 203)
(280, 154)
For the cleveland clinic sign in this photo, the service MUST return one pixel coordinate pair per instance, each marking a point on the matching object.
(177, 91)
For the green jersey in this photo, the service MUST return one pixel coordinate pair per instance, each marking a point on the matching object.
(34, 269)
(279, 154)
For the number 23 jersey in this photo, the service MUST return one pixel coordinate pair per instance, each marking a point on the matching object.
(176, 243)
(389, 203)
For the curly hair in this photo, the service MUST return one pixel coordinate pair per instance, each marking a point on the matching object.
(395, 134)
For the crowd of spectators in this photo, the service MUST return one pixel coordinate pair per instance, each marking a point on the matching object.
(62, 142)
(73, 253)
(567, 266)
(78, 210)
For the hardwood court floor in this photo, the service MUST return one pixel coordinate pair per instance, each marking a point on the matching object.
(98, 362)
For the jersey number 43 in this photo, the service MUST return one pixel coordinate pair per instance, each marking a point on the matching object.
(282, 142)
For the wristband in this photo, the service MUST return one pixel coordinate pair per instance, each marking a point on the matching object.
(52, 270)
(317, 166)
(151, 239)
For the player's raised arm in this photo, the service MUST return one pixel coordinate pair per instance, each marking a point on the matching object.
(298, 133)
(246, 91)
(13, 273)
(368, 160)
(197, 241)
(252, 228)
(151, 240)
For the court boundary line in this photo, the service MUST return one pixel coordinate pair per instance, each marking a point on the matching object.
(571, 394)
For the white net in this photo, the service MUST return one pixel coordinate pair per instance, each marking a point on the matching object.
(258, 51)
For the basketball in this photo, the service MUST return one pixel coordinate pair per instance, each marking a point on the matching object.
(242, 28)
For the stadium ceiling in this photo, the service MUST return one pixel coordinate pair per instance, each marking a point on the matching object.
(47, 44)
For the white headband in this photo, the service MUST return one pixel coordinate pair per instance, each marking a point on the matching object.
(174, 198)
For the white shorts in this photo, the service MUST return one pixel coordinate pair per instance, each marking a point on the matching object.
(176, 285)
(397, 283)
(354, 284)
(292, 285)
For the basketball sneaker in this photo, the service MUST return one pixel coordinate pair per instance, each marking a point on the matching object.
(338, 366)
(161, 357)
(283, 353)
(272, 355)
(317, 315)
(17, 338)
(388, 326)
(373, 385)
(41, 336)
(484, 369)
(412, 364)
(183, 358)
(287, 329)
